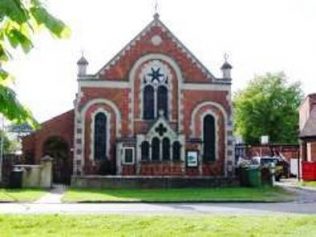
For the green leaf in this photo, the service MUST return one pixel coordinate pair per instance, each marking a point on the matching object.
(4, 55)
(19, 21)
(14, 9)
(21, 39)
(55, 26)
(12, 109)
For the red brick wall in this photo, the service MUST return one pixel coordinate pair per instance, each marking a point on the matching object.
(119, 97)
(144, 46)
(92, 166)
(161, 169)
(61, 126)
(288, 151)
(313, 151)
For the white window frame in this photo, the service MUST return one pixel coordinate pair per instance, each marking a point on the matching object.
(133, 157)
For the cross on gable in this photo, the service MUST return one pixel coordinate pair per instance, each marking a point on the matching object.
(161, 129)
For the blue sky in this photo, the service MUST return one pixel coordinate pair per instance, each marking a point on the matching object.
(260, 36)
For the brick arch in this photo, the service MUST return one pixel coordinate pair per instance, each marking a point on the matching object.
(109, 104)
(53, 137)
(196, 128)
(216, 109)
(59, 149)
(135, 85)
(88, 115)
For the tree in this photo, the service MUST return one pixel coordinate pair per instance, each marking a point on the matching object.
(20, 20)
(268, 106)
(9, 145)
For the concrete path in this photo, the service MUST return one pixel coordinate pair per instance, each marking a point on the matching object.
(159, 209)
(129, 209)
(54, 196)
(305, 203)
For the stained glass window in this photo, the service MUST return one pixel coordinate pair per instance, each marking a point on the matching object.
(162, 100)
(100, 136)
(176, 151)
(149, 102)
(209, 138)
(166, 149)
(145, 150)
(155, 149)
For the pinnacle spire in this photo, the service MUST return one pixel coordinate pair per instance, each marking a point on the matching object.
(156, 14)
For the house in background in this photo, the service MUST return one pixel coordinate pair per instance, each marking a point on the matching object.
(307, 136)
(153, 110)
(308, 128)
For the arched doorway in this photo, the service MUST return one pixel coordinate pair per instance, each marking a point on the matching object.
(58, 149)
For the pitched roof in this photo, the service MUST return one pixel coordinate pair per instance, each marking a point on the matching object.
(154, 23)
(309, 129)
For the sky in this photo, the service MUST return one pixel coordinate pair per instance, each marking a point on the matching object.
(259, 35)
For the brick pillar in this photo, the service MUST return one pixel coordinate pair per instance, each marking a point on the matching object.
(78, 161)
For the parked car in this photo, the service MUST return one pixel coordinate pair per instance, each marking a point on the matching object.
(282, 167)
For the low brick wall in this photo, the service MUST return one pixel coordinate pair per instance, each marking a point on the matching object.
(93, 181)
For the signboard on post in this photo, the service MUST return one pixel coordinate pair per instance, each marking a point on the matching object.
(264, 140)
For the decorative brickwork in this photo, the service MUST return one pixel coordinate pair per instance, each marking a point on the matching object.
(182, 93)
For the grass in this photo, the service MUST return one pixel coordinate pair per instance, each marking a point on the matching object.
(264, 194)
(113, 225)
(20, 195)
(309, 184)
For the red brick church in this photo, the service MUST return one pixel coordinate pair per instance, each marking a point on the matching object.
(152, 110)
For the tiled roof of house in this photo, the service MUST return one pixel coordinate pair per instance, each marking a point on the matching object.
(309, 129)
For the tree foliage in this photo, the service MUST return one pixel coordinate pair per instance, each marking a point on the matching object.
(268, 106)
(20, 21)
(9, 145)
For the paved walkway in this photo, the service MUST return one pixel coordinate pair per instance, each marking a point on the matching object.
(54, 196)
(304, 204)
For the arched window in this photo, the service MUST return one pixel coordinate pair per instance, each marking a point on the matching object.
(162, 100)
(155, 149)
(149, 102)
(100, 136)
(145, 150)
(176, 151)
(166, 149)
(209, 138)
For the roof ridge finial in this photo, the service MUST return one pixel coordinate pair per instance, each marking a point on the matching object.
(226, 56)
(156, 14)
(82, 60)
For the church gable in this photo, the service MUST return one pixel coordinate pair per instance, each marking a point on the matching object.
(156, 38)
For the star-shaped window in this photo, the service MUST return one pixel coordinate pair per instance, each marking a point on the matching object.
(155, 75)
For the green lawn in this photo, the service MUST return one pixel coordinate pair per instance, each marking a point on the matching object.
(309, 184)
(177, 195)
(20, 195)
(171, 225)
